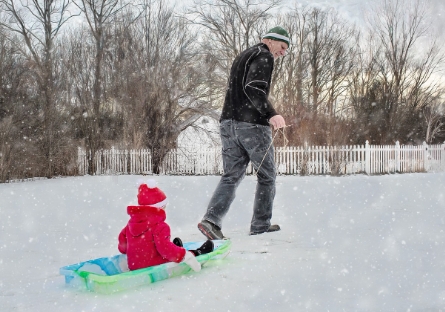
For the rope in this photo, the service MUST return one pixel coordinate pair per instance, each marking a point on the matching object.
(273, 138)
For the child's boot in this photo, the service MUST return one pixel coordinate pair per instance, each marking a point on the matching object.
(205, 248)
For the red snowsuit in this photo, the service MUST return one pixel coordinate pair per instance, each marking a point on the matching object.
(146, 239)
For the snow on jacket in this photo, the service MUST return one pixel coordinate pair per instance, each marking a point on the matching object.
(248, 88)
(146, 239)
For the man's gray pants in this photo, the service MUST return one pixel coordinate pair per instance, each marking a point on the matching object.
(243, 142)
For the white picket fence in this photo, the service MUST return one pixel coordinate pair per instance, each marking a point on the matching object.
(314, 160)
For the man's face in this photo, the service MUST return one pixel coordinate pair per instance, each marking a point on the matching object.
(278, 48)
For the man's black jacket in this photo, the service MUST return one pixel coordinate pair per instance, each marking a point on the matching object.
(248, 87)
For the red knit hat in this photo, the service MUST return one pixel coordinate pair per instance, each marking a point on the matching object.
(150, 195)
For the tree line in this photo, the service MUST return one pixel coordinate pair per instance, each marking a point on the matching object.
(97, 73)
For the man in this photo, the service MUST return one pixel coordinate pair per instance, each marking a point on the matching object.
(246, 135)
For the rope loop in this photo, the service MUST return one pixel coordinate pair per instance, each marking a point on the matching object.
(286, 141)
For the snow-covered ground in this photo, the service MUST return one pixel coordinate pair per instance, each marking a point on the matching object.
(353, 243)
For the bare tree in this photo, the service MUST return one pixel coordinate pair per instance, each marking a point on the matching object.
(435, 121)
(9, 87)
(157, 78)
(406, 68)
(38, 22)
(311, 81)
(99, 15)
(363, 88)
(330, 55)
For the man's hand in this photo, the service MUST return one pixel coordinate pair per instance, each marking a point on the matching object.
(277, 122)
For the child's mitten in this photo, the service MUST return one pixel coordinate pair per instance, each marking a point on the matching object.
(191, 261)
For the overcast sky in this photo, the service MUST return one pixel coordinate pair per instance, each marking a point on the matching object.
(356, 10)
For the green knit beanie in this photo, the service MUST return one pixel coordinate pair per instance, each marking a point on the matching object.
(278, 33)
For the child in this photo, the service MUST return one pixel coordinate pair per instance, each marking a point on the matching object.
(146, 237)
